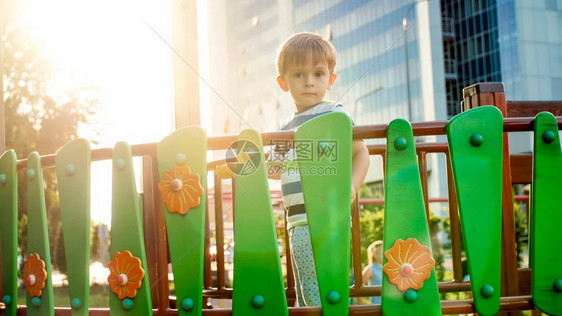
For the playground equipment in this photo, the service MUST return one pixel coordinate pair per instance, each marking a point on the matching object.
(174, 200)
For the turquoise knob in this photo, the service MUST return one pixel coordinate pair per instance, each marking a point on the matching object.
(258, 301)
(476, 140)
(187, 304)
(70, 169)
(558, 285)
(411, 296)
(400, 143)
(7, 300)
(3, 178)
(548, 137)
(119, 163)
(76, 303)
(127, 304)
(334, 297)
(180, 159)
(30, 173)
(487, 291)
(36, 302)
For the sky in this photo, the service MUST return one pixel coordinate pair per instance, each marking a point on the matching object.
(121, 47)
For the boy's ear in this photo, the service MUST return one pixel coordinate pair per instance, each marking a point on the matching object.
(282, 84)
(333, 78)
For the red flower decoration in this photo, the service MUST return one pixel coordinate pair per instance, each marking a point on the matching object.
(181, 190)
(125, 274)
(408, 264)
(35, 275)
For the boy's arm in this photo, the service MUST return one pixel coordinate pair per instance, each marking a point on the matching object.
(360, 165)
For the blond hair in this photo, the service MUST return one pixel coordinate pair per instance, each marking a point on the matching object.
(304, 48)
(374, 252)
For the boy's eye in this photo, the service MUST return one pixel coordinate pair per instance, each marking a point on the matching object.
(297, 74)
(319, 73)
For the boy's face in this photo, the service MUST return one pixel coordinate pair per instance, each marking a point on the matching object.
(307, 83)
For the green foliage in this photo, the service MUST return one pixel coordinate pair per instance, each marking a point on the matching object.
(521, 234)
(38, 120)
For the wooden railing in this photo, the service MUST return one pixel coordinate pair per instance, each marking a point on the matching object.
(515, 283)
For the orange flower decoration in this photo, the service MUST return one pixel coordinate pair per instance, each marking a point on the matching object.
(35, 275)
(408, 264)
(180, 189)
(125, 274)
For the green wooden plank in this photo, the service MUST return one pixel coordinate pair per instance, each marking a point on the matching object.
(37, 237)
(413, 291)
(476, 145)
(9, 229)
(186, 232)
(73, 178)
(127, 233)
(546, 216)
(259, 288)
(323, 147)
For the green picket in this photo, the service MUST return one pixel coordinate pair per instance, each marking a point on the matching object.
(9, 229)
(73, 178)
(186, 232)
(259, 288)
(126, 230)
(476, 146)
(545, 217)
(323, 144)
(405, 218)
(37, 235)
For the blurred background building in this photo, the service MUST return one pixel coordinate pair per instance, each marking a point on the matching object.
(396, 59)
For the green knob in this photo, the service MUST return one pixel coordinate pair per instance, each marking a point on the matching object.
(127, 304)
(187, 304)
(487, 291)
(76, 303)
(548, 136)
(476, 140)
(411, 296)
(258, 301)
(400, 143)
(7, 300)
(36, 302)
(334, 297)
(558, 285)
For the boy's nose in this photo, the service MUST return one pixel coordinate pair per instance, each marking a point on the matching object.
(309, 81)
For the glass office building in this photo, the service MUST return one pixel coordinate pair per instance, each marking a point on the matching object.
(396, 58)
(380, 77)
(516, 42)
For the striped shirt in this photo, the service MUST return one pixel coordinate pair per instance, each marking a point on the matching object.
(290, 179)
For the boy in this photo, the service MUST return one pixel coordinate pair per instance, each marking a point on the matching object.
(305, 65)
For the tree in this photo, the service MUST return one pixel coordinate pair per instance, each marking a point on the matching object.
(36, 120)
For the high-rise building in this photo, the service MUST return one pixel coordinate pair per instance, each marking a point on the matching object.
(516, 42)
(396, 58)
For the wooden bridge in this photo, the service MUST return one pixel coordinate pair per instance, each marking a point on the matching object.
(172, 213)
